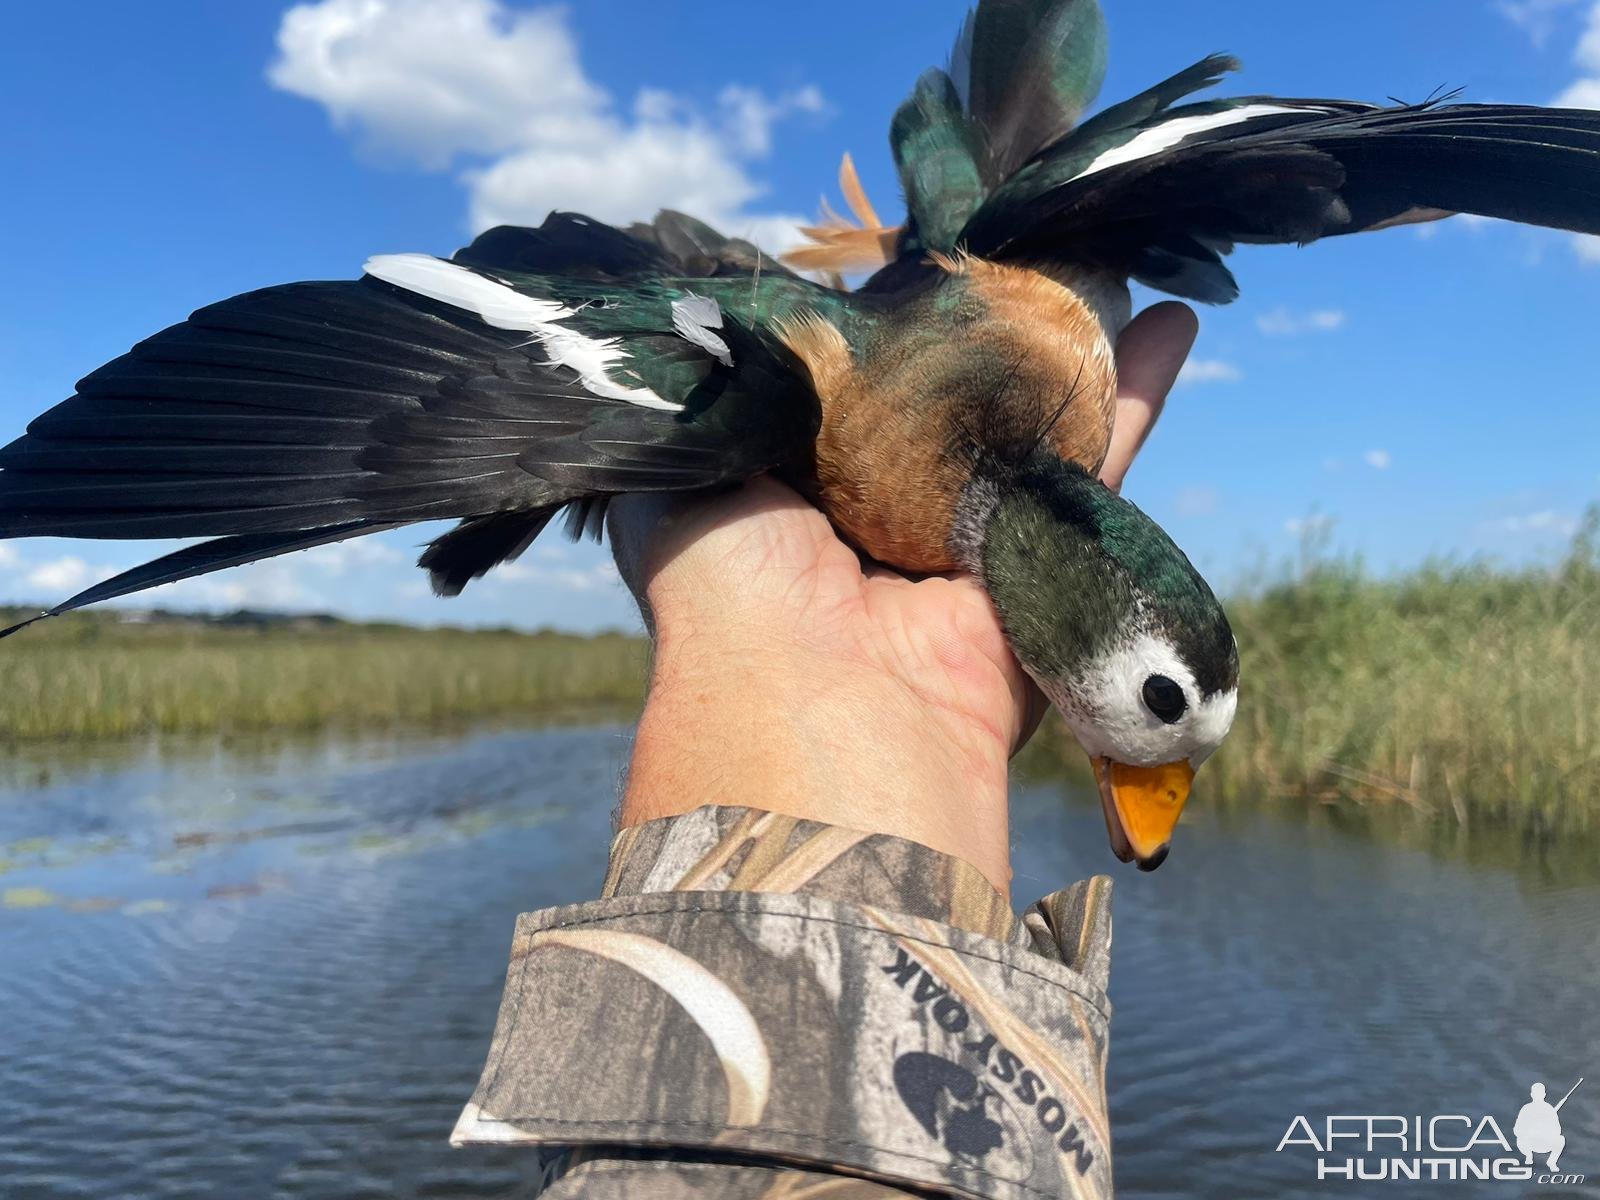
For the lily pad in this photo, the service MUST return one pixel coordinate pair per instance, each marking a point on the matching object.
(27, 897)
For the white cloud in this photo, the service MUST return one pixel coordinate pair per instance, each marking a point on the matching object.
(66, 574)
(1538, 18)
(432, 80)
(748, 115)
(1280, 322)
(572, 579)
(1585, 91)
(357, 553)
(1209, 370)
(1378, 460)
(1583, 94)
(1312, 526)
(622, 177)
(1198, 501)
(1473, 223)
(501, 95)
(1545, 521)
(273, 584)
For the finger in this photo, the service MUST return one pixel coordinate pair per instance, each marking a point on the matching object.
(886, 576)
(1150, 353)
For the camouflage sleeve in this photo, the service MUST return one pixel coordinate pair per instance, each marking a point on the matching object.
(767, 1007)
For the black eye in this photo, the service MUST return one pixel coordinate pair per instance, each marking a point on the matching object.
(1164, 698)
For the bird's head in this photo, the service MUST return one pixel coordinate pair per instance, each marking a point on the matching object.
(1118, 629)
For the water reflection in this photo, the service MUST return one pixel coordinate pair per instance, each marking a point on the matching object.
(289, 985)
(272, 969)
(1277, 967)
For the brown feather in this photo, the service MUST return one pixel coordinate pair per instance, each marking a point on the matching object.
(864, 244)
(855, 195)
(902, 422)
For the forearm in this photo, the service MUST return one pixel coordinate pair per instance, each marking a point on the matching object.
(786, 998)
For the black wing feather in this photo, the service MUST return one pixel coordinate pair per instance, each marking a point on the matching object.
(297, 415)
(1321, 169)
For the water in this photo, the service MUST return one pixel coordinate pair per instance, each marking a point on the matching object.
(272, 972)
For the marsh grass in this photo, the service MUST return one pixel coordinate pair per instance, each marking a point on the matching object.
(93, 675)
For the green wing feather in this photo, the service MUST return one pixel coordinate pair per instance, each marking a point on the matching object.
(1021, 75)
(936, 153)
(1027, 70)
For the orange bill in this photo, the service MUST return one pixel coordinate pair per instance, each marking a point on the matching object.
(1142, 805)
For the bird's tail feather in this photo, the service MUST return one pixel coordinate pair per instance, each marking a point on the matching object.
(478, 544)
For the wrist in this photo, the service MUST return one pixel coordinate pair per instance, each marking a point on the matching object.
(816, 736)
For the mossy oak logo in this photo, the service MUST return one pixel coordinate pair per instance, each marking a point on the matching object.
(982, 1106)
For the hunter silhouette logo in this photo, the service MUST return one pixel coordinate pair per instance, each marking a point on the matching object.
(1538, 1127)
(1453, 1146)
(948, 1101)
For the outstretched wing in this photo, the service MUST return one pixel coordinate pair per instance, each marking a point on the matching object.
(428, 389)
(1163, 193)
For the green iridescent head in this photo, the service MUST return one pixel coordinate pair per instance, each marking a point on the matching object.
(1118, 629)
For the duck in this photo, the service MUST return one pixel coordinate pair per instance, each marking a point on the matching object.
(949, 413)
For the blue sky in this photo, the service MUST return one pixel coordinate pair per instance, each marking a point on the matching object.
(1424, 391)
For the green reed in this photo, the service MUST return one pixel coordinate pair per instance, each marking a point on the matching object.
(94, 676)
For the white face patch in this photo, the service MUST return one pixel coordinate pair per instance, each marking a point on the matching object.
(1107, 712)
(1169, 134)
(503, 307)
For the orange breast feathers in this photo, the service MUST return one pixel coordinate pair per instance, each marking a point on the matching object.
(902, 418)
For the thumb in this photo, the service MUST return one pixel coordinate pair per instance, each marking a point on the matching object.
(1150, 353)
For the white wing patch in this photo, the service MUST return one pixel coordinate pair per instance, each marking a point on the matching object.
(694, 317)
(503, 307)
(1178, 130)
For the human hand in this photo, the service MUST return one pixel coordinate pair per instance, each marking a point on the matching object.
(790, 677)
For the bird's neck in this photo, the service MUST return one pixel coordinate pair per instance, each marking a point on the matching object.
(1070, 486)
